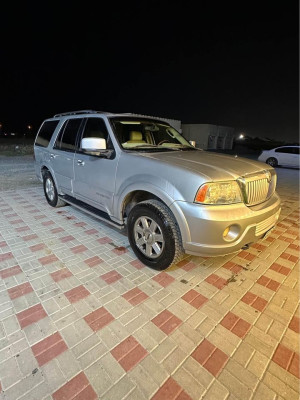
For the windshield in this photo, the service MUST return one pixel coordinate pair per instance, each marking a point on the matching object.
(142, 134)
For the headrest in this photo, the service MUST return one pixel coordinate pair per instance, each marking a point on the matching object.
(135, 135)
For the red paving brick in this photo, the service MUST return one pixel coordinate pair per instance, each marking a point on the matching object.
(48, 259)
(67, 238)
(259, 247)
(91, 231)
(216, 281)
(289, 257)
(31, 315)
(98, 319)
(268, 282)
(189, 266)
(57, 230)
(194, 298)
(19, 290)
(93, 261)
(283, 356)
(47, 223)
(49, 348)
(77, 293)
(78, 249)
(255, 301)
(22, 229)
(235, 324)
(166, 321)
(231, 266)
(294, 325)
(210, 357)
(280, 268)
(129, 353)
(170, 390)
(78, 388)
(294, 366)
(111, 277)
(120, 250)
(37, 247)
(246, 255)
(135, 296)
(6, 256)
(17, 221)
(3, 244)
(163, 279)
(137, 264)
(6, 273)
(29, 237)
(104, 240)
(61, 274)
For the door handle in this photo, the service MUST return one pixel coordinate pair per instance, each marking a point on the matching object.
(80, 162)
(52, 155)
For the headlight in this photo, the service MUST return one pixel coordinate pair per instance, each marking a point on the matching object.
(219, 193)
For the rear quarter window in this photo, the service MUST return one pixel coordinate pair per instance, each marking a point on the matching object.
(45, 133)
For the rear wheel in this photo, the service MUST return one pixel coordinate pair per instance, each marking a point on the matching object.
(272, 161)
(154, 234)
(51, 191)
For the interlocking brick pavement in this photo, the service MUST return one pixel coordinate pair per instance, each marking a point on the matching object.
(82, 318)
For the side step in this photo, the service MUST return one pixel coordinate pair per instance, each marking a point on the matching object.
(103, 216)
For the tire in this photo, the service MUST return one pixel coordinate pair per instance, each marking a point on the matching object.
(149, 218)
(50, 191)
(272, 161)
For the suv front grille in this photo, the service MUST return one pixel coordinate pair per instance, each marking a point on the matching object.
(258, 188)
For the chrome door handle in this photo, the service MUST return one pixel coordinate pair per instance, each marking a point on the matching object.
(52, 155)
(80, 162)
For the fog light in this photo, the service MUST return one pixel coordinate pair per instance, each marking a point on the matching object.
(225, 233)
(231, 233)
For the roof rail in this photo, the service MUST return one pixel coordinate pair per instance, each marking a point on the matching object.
(80, 112)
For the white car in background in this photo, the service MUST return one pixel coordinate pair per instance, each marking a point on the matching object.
(287, 156)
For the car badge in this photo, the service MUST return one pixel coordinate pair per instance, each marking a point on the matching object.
(268, 175)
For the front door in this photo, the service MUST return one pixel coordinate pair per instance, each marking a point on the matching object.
(94, 175)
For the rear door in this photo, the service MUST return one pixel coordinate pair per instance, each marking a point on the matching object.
(95, 175)
(63, 153)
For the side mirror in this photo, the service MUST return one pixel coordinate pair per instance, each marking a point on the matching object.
(93, 144)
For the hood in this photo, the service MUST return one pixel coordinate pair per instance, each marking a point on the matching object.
(215, 166)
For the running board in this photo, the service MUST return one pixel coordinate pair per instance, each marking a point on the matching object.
(103, 216)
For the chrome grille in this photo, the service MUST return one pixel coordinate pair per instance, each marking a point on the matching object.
(257, 191)
(257, 188)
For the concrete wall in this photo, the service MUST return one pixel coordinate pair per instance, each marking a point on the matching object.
(208, 136)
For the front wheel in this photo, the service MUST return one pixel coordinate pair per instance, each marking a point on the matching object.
(154, 234)
(51, 191)
(272, 161)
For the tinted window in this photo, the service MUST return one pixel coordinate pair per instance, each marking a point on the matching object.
(96, 128)
(296, 150)
(45, 133)
(284, 150)
(67, 135)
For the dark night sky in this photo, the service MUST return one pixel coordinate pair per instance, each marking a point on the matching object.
(228, 63)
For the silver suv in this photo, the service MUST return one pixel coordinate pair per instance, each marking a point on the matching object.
(140, 173)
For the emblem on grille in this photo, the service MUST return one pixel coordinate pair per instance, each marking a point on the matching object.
(268, 175)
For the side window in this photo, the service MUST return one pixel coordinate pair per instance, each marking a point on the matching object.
(67, 136)
(296, 150)
(288, 150)
(96, 128)
(45, 133)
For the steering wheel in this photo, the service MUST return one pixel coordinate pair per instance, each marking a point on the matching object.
(163, 141)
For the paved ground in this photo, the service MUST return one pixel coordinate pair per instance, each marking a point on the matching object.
(81, 318)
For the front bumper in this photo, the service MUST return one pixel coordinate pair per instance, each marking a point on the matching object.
(202, 226)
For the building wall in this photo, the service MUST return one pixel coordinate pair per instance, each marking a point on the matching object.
(208, 136)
